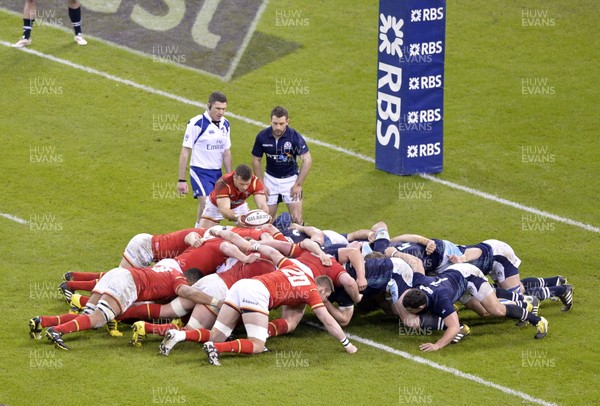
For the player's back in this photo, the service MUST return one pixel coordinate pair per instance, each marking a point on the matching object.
(156, 285)
(170, 245)
(244, 271)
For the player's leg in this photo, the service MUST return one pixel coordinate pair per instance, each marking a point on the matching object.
(29, 11)
(107, 309)
(201, 206)
(295, 210)
(202, 182)
(211, 216)
(487, 296)
(75, 17)
(290, 318)
(256, 328)
(512, 283)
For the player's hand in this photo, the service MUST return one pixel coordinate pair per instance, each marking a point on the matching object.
(350, 348)
(296, 192)
(251, 258)
(362, 283)
(430, 247)
(429, 347)
(214, 231)
(390, 251)
(182, 187)
(456, 259)
(325, 259)
(193, 239)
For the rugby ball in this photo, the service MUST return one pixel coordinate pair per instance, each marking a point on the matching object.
(255, 218)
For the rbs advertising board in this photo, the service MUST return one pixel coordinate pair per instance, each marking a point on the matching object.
(410, 86)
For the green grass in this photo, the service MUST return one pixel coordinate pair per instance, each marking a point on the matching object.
(102, 192)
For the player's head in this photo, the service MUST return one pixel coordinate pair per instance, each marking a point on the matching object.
(324, 286)
(217, 105)
(375, 254)
(192, 275)
(279, 120)
(242, 177)
(414, 300)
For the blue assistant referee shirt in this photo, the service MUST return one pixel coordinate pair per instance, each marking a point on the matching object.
(282, 153)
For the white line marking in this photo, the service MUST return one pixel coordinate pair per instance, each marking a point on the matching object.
(184, 100)
(518, 206)
(242, 49)
(444, 368)
(14, 218)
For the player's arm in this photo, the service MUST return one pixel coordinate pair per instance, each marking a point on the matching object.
(269, 252)
(233, 251)
(341, 314)
(261, 201)
(357, 261)
(470, 254)
(350, 286)
(452, 329)
(227, 161)
(314, 233)
(228, 235)
(182, 187)
(419, 239)
(284, 247)
(415, 263)
(315, 248)
(257, 166)
(224, 205)
(306, 164)
(193, 239)
(187, 292)
(360, 235)
(334, 328)
(257, 169)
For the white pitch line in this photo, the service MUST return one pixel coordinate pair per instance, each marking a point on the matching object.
(444, 368)
(247, 120)
(14, 218)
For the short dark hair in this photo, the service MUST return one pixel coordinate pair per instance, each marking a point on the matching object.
(244, 172)
(414, 298)
(375, 254)
(216, 97)
(280, 112)
(193, 275)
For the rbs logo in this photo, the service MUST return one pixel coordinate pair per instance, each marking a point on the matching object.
(427, 14)
(431, 149)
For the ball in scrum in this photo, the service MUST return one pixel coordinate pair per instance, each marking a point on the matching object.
(255, 218)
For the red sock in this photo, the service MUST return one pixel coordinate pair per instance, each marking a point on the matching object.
(83, 300)
(160, 329)
(49, 321)
(86, 276)
(147, 311)
(278, 327)
(241, 346)
(81, 285)
(82, 322)
(200, 335)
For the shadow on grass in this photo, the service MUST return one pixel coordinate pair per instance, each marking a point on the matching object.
(262, 50)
